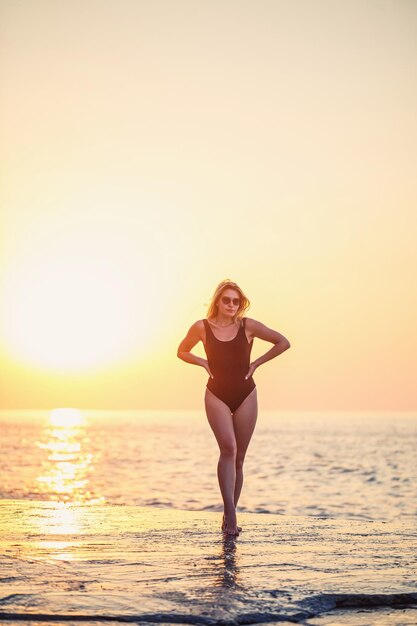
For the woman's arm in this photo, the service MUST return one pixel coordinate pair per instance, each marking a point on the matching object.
(194, 335)
(281, 343)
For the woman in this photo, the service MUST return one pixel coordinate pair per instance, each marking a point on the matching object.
(230, 400)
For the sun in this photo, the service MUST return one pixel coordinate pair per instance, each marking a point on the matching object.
(66, 418)
(70, 310)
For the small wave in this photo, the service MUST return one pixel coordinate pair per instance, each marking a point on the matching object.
(213, 507)
(158, 502)
(341, 469)
(322, 603)
(295, 613)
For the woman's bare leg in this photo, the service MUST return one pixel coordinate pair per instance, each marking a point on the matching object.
(221, 422)
(244, 421)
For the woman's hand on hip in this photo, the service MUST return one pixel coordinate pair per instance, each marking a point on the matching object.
(207, 368)
(252, 368)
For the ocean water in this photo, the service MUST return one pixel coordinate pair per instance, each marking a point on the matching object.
(340, 465)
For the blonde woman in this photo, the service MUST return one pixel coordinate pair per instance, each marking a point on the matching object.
(230, 399)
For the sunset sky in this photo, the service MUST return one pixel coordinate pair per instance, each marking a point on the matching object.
(153, 148)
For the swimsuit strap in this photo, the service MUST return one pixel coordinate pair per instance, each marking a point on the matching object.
(207, 326)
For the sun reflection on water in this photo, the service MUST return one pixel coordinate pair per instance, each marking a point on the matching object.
(52, 531)
(68, 463)
(62, 520)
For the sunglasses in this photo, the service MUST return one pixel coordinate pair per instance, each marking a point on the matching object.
(227, 300)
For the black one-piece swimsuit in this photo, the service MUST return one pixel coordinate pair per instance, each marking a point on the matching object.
(229, 363)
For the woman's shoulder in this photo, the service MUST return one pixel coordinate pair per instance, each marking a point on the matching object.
(249, 322)
(196, 331)
(251, 327)
(198, 327)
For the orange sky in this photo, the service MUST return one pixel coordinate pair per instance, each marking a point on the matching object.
(152, 148)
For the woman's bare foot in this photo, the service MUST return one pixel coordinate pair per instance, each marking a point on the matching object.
(223, 523)
(229, 525)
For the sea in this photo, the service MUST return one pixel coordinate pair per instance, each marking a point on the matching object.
(325, 464)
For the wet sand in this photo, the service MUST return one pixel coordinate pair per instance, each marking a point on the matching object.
(72, 564)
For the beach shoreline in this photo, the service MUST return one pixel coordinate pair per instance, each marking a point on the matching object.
(103, 563)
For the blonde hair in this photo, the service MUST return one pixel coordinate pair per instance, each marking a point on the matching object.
(221, 287)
